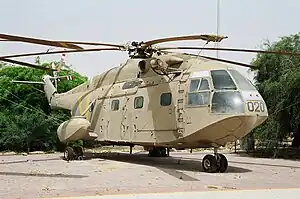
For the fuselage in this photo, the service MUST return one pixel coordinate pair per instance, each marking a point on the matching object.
(206, 105)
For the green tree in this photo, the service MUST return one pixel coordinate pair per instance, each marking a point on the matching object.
(26, 120)
(278, 80)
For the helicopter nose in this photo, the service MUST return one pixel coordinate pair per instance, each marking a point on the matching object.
(243, 123)
(252, 121)
(238, 126)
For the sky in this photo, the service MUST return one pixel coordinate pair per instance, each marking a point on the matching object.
(246, 23)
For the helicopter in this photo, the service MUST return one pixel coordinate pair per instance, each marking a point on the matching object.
(158, 99)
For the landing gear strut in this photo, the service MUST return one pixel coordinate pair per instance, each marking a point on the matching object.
(75, 153)
(159, 152)
(214, 163)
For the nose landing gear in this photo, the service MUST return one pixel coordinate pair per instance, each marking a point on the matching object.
(215, 163)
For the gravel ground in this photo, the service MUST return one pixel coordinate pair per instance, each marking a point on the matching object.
(47, 175)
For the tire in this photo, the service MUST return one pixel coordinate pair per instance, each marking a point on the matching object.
(209, 164)
(223, 163)
(163, 152)
(80, 158)
(69, 153)
(78, 151)
(157, 152)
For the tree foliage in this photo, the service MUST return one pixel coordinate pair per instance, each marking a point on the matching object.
(26, 120)
(278, 80)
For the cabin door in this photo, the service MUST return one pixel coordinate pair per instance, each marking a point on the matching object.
(126, 118)
(115, 117)
(99, 120)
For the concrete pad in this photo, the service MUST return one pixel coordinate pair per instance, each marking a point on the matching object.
(47, 175)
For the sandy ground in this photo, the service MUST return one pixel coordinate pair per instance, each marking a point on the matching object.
(47, 175)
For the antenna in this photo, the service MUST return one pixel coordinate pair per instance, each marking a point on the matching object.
(218, 26)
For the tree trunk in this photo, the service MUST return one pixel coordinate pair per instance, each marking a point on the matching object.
(247, 143)
(296, 140)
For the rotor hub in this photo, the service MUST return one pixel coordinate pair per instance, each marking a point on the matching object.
(139, 50)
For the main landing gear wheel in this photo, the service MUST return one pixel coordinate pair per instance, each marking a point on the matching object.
(223, 163)
(209, 164)
(78, 153)
(69, 153)
(75, 153)
(158, 152)
(215, 163)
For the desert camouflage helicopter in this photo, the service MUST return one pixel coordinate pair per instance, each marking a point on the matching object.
(157, 99)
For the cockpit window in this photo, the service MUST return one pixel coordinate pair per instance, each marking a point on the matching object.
(241, 81)
(204, 85)
(200, 98)
(222, 80)
(194, 85)
(199, 84)
(199, 93)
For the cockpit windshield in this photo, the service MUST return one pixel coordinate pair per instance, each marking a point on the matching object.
(225, 98)
(230, 80)
(222, 80)
(241, 81)
(227, 102)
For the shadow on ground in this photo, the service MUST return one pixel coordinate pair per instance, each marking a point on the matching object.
(163, 163)
(57, 175)
(27, 160)
(35, 174)
(171, 165)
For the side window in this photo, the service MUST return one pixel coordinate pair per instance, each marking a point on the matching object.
(194, 85)
(115, 105)
(204, 85)
(165, 99)
(199, 92)
(138, 102)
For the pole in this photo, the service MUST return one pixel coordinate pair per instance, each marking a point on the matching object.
(235, 147)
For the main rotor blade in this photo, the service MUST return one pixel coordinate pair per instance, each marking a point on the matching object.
(64, 44)
(25, 64)
(209, 38)
(227, 61)
(79, 42)
(232, 49)
(94, 44)
(39, 41)
(58, 52)
(218, 59)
